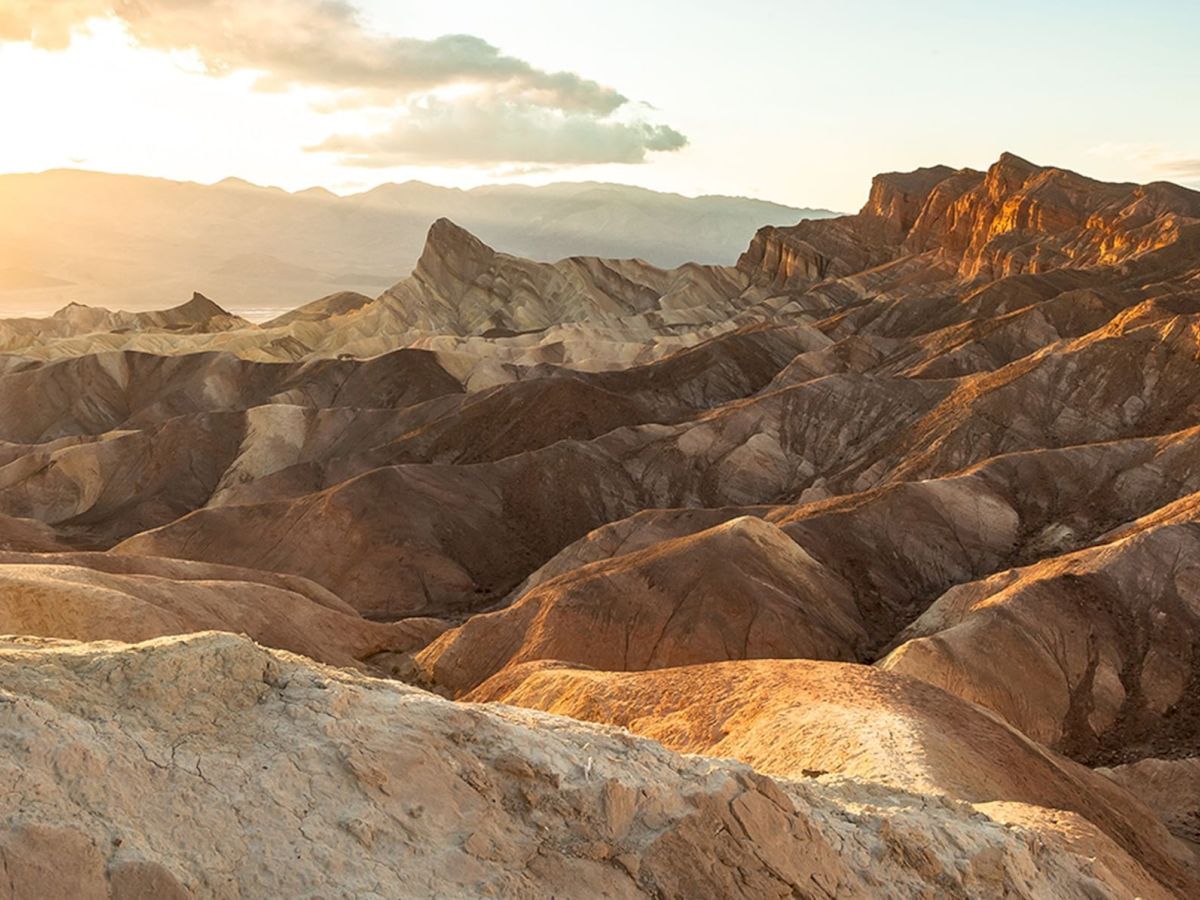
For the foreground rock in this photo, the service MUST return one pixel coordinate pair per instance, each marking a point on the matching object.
(798, 718)
(206, 766)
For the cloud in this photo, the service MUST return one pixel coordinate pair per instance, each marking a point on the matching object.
(1156, 159)
(512, 111)
(476, 131)
(320, 43)
(1180, 168)
(49, 24)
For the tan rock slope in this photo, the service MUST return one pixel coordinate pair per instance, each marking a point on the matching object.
(207, 766)
(198, 316)
(802, 718)
(92, 596)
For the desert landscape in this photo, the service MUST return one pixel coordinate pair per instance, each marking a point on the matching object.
(868, 565)
(461, 451)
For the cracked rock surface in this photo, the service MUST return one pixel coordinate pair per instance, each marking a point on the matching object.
(207, 766)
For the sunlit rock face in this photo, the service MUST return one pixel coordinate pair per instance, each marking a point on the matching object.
(1015, 218)
(894, 523)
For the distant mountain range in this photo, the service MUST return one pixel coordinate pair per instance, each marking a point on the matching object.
(133, 243)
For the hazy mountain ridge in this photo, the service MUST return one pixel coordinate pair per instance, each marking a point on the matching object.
(132, 242)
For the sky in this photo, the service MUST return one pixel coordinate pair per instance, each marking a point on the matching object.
(799, 102)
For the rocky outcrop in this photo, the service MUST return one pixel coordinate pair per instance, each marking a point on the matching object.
(811, 719)
(896, 201)
(1026, 218)
(1015, 218)
(204, 766)
(461, 286)
(784, 258)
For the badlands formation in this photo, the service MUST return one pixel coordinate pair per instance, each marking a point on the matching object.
(866, 567)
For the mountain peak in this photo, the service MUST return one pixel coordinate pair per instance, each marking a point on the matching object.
(78, 313)
(1011, 160)
(452, 250)
(897, 198)
(445, 231)
(201, 305)
(234, 182)
(1009, 173)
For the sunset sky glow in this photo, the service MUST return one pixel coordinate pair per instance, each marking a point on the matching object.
(799, 102)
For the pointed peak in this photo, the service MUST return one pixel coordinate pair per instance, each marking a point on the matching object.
(235, 182)
(1011, 165)
(202, 306)
(1013, 161)
(451, 245)
(317, 192)
(444, 231)
(72, 308)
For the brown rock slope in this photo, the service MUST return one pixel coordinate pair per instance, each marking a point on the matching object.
(741, 590)
(93, 596)
(530, 504)
(902, 545)
(94, 394)
(800, 718)
(205, 765)
(1014, 219)
(1097, 648)
(1171, 787)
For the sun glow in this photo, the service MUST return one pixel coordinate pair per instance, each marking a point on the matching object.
(89, 106)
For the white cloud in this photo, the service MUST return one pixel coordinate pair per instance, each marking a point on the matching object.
(512, 112)
(1181, 168)
(1161, 160)
(489, 131)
